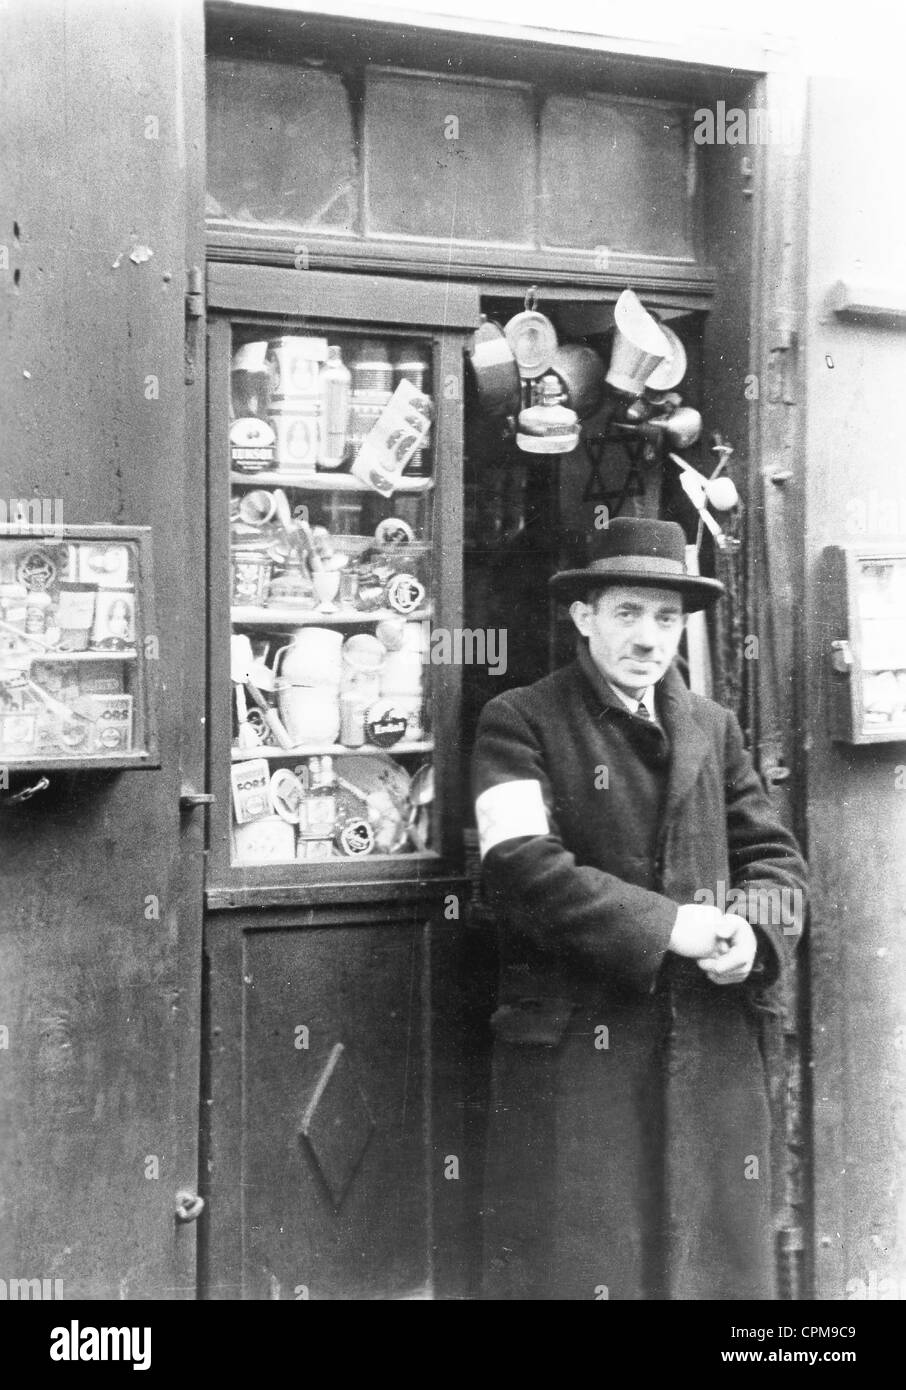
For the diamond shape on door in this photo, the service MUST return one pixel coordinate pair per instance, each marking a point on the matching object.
(337, 1124)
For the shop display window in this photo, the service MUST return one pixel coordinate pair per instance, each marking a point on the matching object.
(868, 651)
(77, 644)
(331, 442)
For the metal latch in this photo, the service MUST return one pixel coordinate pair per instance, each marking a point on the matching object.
(842, 656)
(189, 799)
(26, 794)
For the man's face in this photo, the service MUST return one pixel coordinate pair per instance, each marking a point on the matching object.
(633, 633)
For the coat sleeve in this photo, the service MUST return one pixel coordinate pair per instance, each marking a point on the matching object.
(571, 910)
(768, 875)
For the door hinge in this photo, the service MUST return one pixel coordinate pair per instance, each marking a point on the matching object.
(194, 314)
(783, 346)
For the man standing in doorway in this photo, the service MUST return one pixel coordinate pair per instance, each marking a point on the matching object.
(648, 900)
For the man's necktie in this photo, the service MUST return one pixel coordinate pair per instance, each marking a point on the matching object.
(661, 745)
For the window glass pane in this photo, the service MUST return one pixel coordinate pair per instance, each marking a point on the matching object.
(331, 471)
(70, 631)
(881, 596)
(614, 174)
(447, 159)
(280, 146)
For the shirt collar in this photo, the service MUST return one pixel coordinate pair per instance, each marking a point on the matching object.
(610, 694)
(646, 699)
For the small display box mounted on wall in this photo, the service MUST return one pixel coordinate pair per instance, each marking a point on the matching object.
(77, 648)
(867, 679)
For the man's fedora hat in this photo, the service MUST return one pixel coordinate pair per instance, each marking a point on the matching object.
(633, 551)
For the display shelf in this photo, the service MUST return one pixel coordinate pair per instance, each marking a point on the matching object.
(303, 617)
(41, 657)
(318, 750)
(79, 762)
(324, 482)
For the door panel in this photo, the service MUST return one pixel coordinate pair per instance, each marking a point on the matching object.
(318, 1156)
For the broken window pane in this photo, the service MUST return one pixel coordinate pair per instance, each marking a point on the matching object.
(281, 147)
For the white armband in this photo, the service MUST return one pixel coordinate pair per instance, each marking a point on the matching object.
(509, 810)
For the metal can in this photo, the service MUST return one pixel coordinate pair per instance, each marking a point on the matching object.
(298, 435)
(251, 574)
(371, 368)
(295, 367)
(352, 719)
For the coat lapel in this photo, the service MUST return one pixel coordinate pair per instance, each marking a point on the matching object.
(688, 744)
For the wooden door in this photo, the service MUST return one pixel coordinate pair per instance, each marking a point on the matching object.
(100, 875)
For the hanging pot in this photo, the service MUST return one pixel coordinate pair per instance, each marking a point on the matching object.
(494, 371)
(671, 371)
(532, 339)
(639, 346)
(582, 373)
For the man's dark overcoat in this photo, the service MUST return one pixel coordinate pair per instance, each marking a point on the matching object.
(630, 1126)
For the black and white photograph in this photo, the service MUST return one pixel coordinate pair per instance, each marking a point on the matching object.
(452, 664)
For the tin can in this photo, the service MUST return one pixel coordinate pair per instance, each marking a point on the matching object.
(112, 715)
(251, 445)
(298, 435)
(251, 574)
(295, 367)
(371, 368)
(352, 719)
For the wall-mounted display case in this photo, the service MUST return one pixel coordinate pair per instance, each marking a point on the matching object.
(335, 473)
(77, 648)
(868, 646)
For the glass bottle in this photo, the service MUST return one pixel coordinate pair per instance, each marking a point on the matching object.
(336, 380)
